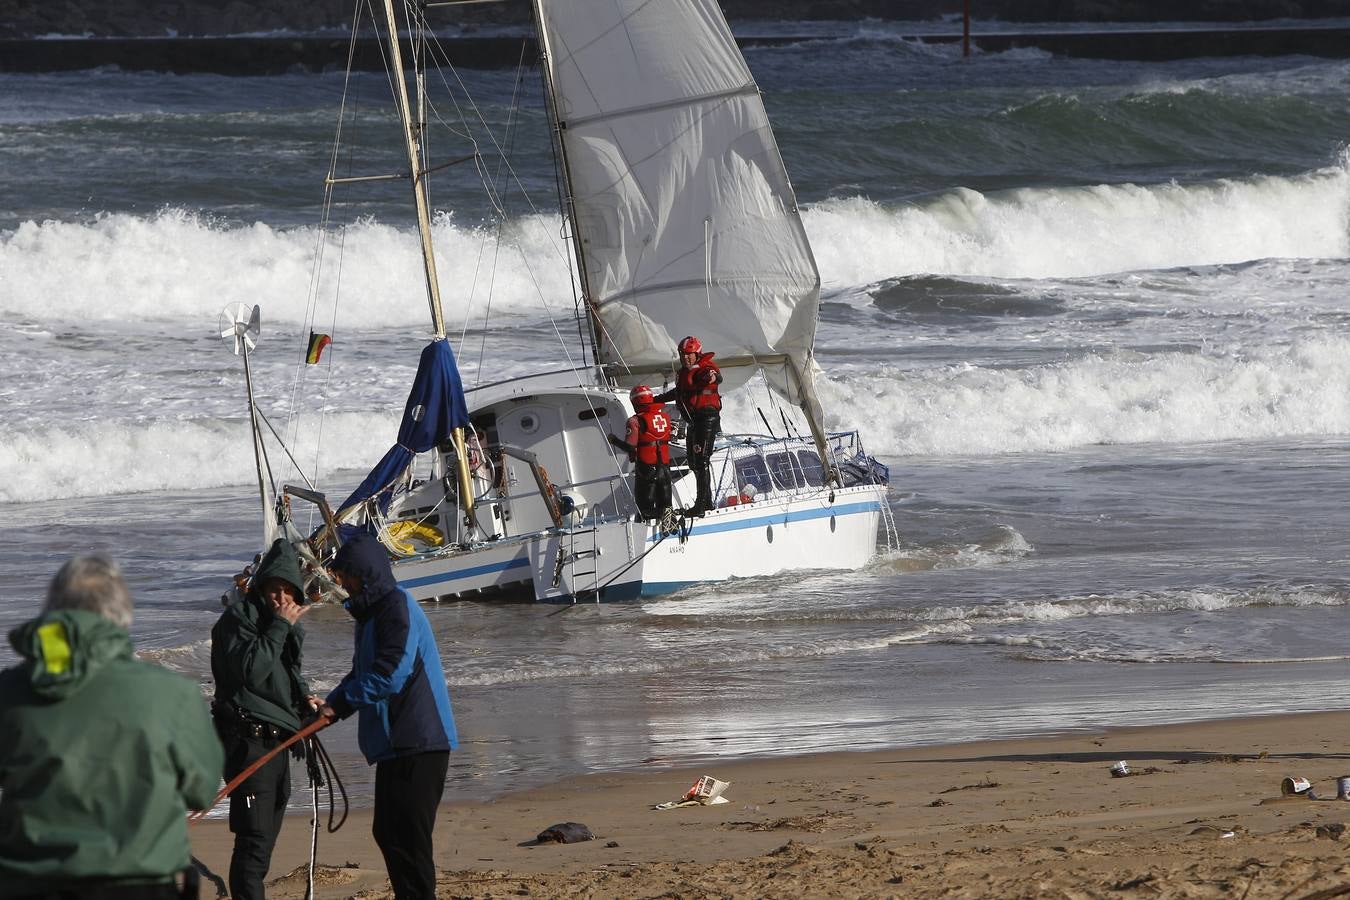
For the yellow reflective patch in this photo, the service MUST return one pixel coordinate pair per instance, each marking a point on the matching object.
(55, 647)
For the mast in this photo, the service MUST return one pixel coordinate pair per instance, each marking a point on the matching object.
(417, 175)
(555, 131)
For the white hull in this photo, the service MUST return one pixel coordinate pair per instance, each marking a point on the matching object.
(622, 560)
(788, 535)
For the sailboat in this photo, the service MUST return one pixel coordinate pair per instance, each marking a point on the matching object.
(682, 222)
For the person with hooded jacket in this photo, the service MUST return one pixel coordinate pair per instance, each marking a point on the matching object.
(101, 754)
(260, 696)
(406, 728)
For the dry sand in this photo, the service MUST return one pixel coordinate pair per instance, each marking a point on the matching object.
(1202, 816)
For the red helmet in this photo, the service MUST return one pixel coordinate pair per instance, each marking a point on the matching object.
(691, 344)
(641, 396)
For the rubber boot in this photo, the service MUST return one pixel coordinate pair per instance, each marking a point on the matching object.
(703, 502)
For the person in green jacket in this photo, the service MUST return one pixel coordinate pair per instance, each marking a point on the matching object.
(101, 754)
(260, 696)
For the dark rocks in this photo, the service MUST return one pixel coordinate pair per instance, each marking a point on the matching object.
(565, 833)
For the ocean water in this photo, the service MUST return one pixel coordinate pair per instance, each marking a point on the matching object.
(1094, 315)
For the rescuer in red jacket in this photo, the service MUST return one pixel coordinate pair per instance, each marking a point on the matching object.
(648, 441)
(700, 403)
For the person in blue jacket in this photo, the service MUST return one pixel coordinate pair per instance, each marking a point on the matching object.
(406, 728)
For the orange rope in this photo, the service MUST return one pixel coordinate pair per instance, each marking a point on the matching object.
(315, 726)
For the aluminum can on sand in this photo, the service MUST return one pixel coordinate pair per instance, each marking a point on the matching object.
(1294, 784)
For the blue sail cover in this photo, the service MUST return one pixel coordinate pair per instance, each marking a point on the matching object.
(435, 408)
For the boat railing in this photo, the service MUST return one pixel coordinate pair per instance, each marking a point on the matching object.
(553, 373)
(776, 465)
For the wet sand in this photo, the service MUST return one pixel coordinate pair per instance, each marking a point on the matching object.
(1201, 815)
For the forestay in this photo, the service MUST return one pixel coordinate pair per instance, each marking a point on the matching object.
(685, 219)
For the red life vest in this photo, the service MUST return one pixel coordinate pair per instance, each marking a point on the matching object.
(653, 435)
(694, 394)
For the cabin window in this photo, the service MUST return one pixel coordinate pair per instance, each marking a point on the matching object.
(751, 470)
(783, 471)
(812, 471)
(597, 412)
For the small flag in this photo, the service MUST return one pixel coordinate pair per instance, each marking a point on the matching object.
(316, 344)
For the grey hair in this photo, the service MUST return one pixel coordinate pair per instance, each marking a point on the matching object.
(93, 583)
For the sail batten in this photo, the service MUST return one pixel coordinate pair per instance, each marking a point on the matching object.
(749, 88)
(637, 295)
(684, 217)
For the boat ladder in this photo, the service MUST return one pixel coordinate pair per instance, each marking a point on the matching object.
(892, 533)
(577, 549)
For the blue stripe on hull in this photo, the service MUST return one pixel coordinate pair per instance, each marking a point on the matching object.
(703, 526)
(472, 572)
(634, 590)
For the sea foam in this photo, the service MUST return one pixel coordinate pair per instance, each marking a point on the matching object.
(1083, 231)
(115, 457)
(1114, 397)
(181, 265)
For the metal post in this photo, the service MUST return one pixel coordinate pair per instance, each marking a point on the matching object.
(965, 34)
(260, 459)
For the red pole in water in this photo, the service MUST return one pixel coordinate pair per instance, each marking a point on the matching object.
(965, 34)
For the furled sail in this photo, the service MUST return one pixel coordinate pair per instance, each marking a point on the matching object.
(685, 220)
(435, 408)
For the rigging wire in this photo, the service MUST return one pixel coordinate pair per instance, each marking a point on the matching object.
(321, 244)
(431, 49)
(444, 63)
(494, 197)
(495, 193)
(498, 190)
(506, 163)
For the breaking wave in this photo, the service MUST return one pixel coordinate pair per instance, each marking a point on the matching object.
(1113, 397)
(103, 458)
(180, 265)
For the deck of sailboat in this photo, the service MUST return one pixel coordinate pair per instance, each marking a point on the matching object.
(792, 528)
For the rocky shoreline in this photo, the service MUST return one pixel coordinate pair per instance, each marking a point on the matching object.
(183, 18)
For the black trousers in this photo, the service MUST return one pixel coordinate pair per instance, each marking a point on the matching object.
(651, 489)
(256, 810)
(698, 440)
(93, 889)
(408, 790)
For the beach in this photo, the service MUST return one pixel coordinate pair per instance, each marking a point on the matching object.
(1200, 815)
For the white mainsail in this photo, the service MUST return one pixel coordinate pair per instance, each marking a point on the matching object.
(685, 220)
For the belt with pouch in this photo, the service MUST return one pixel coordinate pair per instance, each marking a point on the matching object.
(263, 730)
(230, 719)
